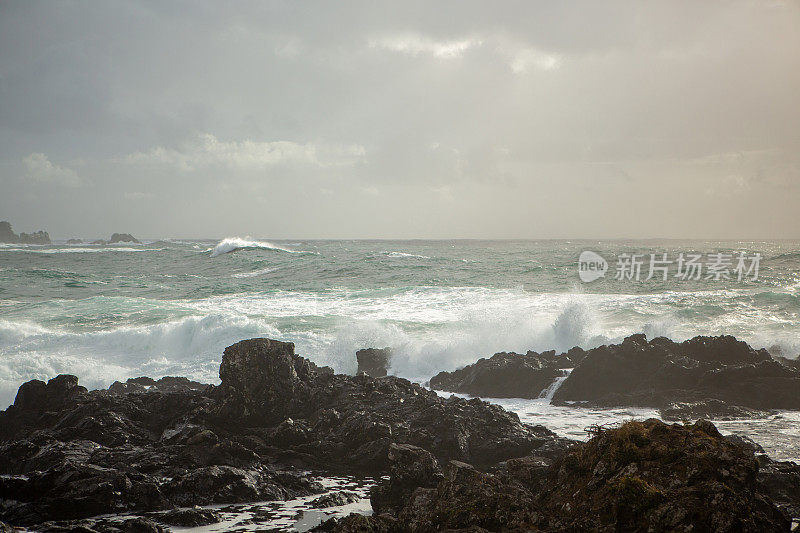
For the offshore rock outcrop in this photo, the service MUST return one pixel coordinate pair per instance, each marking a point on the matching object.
(123, 237)
(641, 476)
(7, 235)
(67, 453)
(661, 372)
(374, 361)
(508, 374)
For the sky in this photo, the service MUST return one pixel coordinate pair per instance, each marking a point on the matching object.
(401, 120)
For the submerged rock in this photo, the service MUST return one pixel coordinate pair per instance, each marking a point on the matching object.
(710, 409)
(374, 361)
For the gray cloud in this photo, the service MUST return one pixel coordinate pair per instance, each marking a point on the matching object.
(463, 119)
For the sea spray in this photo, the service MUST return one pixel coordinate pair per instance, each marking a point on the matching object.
(232, 244)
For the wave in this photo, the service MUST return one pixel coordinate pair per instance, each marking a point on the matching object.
(191, 346)
(80, 250)
(429, 328)
(254, 273)
(788, 255)
(403, 254)
(232, 244)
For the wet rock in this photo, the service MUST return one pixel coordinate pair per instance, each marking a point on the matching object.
(37, 395)
(374, 361)
(781, 480)
(192, 517)
(149, 445)
(641, 476)
(504, 375)
(659, 372)
(334, 499)
(264, 382)
(410, 468)
(357, 523)
(166, 384)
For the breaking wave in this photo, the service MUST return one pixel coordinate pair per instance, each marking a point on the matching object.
(232, 244)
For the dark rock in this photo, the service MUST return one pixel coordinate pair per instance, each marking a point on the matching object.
(191, 517)
(505, 375)
(74, 241)
(641, 476)
(123, 237)
(410, 467)
(660, 372)
(37, 395)
(781, 480)
(334, 499)
(374, 361)
(7, 235)
(141, 525)
(166, 384)
(357, 523)
(149, 445)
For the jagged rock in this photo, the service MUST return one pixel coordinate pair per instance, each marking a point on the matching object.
(504, 375)
(191, 517)
(7, 235)
(410, 467)
(166, 384)
(357, 523)
(334, 499)
(657, 373)
(264, 382)
(36, 395)
(147, 445)
(641, 476)
(123, 237)
(101, 525)
(374, 361)
(781, 480)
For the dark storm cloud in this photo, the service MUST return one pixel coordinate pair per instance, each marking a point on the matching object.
(454, 119)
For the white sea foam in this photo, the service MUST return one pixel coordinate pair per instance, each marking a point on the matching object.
(403, 254)
(231, 244)
(253, 274)
(82, 250)
(190, 346)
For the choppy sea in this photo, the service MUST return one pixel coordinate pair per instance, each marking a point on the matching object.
(170, 306)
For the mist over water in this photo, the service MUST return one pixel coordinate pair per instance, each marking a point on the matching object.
(170, 307)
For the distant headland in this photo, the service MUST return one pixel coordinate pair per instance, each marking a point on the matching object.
(7, 235)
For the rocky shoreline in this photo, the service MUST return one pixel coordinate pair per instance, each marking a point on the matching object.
(153, 449)
(703, 377)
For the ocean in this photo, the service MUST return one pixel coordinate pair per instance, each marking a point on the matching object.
(169, 307)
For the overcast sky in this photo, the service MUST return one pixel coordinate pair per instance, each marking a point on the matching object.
(403, 120)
